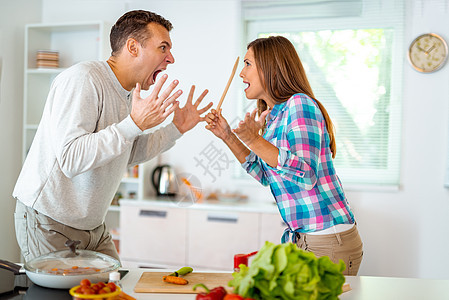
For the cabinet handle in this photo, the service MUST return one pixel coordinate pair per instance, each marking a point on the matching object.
(221, 218)
(146, 267)
(153, 213)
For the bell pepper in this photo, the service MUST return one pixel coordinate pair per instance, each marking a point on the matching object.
(217, 293)
(233, 297)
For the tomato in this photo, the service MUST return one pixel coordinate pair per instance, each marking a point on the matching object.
(85, 282)
(96, 287)
(112, 286)
(87, 290)
(101, 284)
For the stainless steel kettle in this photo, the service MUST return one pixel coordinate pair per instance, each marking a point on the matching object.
(164, 181)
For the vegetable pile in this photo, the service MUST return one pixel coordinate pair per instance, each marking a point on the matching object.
(286, 272)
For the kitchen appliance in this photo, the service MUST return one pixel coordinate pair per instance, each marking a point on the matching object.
(164, 181)
(64, 269)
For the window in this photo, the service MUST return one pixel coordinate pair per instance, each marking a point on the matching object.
(353, 55)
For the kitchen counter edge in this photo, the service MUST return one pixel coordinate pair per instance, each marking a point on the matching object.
(241, 206)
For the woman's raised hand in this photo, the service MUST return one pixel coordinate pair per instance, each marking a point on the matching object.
(218, 125)
(249, 128)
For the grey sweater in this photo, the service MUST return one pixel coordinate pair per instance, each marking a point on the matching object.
(85, 141)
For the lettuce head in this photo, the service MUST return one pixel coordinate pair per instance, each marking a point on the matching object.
(286, 272)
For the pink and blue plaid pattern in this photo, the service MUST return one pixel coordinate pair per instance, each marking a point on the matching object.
(305, 185)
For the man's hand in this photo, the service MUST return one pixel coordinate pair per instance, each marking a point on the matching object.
(187, 117)
(248, 129)
(154, 109)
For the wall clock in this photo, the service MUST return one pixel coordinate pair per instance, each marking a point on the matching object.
(428, 53)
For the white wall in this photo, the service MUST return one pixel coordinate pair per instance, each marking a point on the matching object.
(13, 17)
(404, 232)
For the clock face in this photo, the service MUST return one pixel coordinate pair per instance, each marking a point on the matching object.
(428, 53)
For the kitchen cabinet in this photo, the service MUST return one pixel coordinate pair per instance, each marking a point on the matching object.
(160, 234)
(214, 237)
(153, 235)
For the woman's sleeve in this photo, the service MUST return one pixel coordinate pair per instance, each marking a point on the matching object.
(253, 166)
(299, 159)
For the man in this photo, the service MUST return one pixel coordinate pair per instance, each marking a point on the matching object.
(91, 131)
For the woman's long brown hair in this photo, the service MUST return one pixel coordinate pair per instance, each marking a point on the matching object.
(283, 75)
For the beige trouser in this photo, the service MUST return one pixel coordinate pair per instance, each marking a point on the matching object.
(346, 245)
(38, 234)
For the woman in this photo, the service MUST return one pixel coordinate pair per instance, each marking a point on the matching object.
(294, 153)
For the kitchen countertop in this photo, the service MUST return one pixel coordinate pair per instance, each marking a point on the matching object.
(363, 288)
(238, 206)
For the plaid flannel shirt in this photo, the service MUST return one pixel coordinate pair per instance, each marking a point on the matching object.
(307, 190)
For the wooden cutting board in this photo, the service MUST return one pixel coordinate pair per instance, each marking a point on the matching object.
(151, 282)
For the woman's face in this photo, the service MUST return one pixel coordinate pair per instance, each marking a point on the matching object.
(250, 76)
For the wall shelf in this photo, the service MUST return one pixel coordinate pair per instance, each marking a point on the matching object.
(45, 70)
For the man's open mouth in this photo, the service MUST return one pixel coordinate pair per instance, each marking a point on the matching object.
(155, 74)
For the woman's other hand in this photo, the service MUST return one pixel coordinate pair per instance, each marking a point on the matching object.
(249, 128)
(218, 125)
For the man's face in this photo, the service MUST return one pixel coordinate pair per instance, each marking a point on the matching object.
(154, 56)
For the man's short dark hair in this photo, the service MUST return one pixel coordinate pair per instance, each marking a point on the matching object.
(133, 24)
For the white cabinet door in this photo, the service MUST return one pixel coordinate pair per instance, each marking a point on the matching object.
(153, 234)
(215, 237)
(271, 228)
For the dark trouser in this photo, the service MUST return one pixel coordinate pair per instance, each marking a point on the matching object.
(346, 245)
(38, 234)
